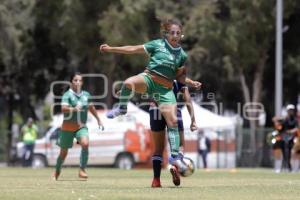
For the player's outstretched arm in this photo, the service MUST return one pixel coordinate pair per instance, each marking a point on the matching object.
(195, 84)
(93, 110)
(136, 49)
(181, 74)
(182, 78)
(189, 105)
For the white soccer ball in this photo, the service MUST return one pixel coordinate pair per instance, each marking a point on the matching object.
(190, 167)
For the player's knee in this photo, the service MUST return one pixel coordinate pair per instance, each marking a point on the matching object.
(173, 123)
(63, 154)
(128, 83)
(85, 145)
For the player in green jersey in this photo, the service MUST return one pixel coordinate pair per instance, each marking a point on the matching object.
(75, 106)
(167, 60)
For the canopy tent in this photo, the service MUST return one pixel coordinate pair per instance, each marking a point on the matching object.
(206, 119)
(140, 115)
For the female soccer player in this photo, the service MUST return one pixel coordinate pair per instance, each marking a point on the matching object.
(167, 60)
(158, 126)
(75, 106)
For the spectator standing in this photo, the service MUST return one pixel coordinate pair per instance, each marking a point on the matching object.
(29, 133)
(203, 148)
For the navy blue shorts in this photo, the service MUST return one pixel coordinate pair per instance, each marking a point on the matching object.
(158, 122)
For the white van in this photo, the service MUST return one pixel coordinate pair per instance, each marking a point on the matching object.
(122, 144)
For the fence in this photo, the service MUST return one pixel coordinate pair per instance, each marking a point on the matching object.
(247, 157)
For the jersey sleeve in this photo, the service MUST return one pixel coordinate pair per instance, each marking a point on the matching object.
(183, 59)
(65, 99)
(149, 47)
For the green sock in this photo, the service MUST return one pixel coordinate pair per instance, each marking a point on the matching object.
(84, 156)
(124, 96)
(59, 163)
(174, 139)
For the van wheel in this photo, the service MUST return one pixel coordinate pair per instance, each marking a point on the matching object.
(39, 161)
(124, 161)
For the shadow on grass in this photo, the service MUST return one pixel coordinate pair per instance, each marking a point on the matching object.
(71, 180)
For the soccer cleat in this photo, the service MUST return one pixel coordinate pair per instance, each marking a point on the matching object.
(277, 171)
(178, 163)
(175, 175)
(180, 155)
(82, 174)
(156, 183)
(56, 175)
(116, 112)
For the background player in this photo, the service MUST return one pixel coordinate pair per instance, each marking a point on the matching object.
(75, 106)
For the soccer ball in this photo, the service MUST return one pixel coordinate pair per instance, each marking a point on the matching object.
(190, 167)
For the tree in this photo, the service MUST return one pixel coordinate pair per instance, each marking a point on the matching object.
(16, 23)
(237, 36)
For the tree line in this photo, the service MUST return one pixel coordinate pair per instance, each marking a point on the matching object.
(230, 43)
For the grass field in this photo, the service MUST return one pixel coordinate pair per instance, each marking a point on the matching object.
(252, 184)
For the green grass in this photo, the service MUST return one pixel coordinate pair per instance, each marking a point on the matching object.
(252, 184)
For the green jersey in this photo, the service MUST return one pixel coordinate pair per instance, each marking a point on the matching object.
(72, 99)
(164, 59)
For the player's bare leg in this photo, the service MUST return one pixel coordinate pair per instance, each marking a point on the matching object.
(169, 112)
(181, 143)
(277, 160)
(157, 159)
(135, 84)
(295, 160)
(84, 142)
(60, 159)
